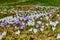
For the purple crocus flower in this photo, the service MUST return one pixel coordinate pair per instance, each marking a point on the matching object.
(4, 23)
(20, 22)
(22, 27)
(37, 25)
(49, 13)
(17, 22)
(27, 18)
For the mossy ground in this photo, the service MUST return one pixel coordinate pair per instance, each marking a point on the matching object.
(47, 34)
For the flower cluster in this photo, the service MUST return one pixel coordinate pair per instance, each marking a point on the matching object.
(27, 18)
(32, 19)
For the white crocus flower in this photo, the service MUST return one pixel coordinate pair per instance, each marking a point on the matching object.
(50, 14)
(54, 23)
(17, 32)
(39, 22)
(2, 19)
(58, 15)
(15, 18)
(32, 17)
(31, 29)
(34, 30)
(35, 11)
(42, 26)
(37, 17)
(41, 29)
(23, 23)
(58, 36)
(47, 24)
(30, 22)
(47, 17)
(17, 15)
(21, 18)
(1, 36)
(53, 28)
(4, 33)
(15, 26)
(9, 17)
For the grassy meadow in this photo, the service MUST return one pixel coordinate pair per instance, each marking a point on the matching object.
(29, 2)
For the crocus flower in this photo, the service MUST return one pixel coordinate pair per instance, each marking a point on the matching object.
(39, 22)
(49, 12)
(47, 17)
(58, 36)
(41, 29)
(22, 27)
(27, 18)
(17, 32)
(37, 17)
(37, 25)
(53, 28)
(4, 33)
(1, 36)
(58, 15)
(31, 29)
(47, 24)
(17, 22)
(54, 23)
(30, 22)
(34, 30)
(4, 23)
(20, 23)
(42, 24)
